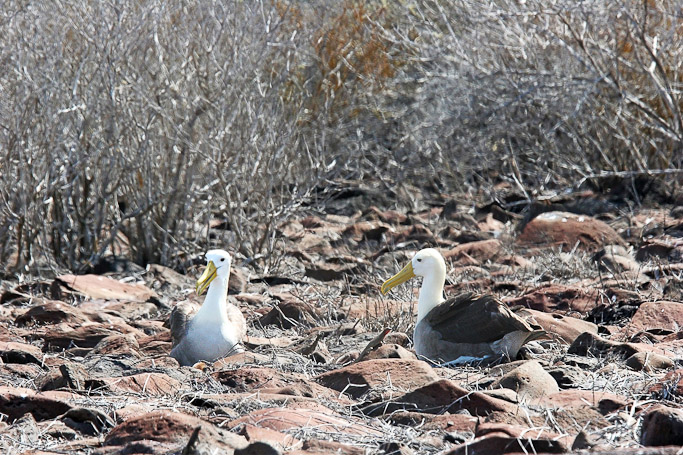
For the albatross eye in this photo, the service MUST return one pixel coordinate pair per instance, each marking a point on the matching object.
(222, 259)
(419, 259)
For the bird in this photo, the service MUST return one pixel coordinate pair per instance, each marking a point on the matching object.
(464, 328)
(217, 329)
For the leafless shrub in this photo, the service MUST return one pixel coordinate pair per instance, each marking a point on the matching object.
(150, 119)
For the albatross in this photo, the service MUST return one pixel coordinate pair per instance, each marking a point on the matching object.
(464, 328)
(217, 329)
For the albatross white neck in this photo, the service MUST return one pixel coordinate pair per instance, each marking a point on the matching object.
(431, 292)
(214, 306)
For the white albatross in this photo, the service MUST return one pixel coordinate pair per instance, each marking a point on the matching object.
(463, 328)
(217, 329)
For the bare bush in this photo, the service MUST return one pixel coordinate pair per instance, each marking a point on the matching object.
(129, 127)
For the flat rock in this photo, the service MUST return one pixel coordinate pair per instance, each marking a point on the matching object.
(327, 422)
(153, 383)
(291, 313)
(670, 386)
(662, 426)
(559, 327)
(390, 351)
(117, 345)
(658, 315)
(358, 378)
(52, 312)
(100, 287)
(442, 396)
(478, 252)
(649, 361)
(88, 335)
(174, 429)
(529, 380)
(561, 298)
(269, 380)
(566, 230)
(17, 402)
(14, 352)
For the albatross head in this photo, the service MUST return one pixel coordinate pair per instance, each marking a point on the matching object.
(217, 266)
(430, 265)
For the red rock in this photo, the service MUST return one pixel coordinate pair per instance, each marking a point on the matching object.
(329, 271)
(442, 422)
(16, 402)
(117, 345)
(390, 351)
(358, 378)
(529, 380)
(481, 251)
(416, 233)
(102, 310)
(648, 361)
(269, 380)
(88, 335)
(26, 371)
(440, 396)
(280, 440)
(279, 419)
(658, 315)
(100, 287)
(157, 384)
(664, 247)
(52, 312)
(13, 352)
(662, 426)
(558, 298)
(175, 429)
(671, 385)
(562, 328)
(601, 400)
(565, 230)
(290, 313)
(318, 447)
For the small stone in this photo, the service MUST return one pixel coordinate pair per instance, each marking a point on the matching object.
(662, 426)
(649, 361)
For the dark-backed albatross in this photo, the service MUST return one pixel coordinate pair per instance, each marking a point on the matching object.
(464, 328)
(218, 327)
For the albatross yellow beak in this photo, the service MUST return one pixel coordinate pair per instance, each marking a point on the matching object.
(206, 278)
(404, 275)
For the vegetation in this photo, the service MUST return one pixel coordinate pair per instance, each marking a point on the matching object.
(128, 127)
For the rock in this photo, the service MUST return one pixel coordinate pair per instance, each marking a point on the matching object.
(277, 439)
(166, 281)
(558, 298)
(358, 378)
(561, 328)
(17, 402)
(117, 345)
(568, 376)
(566, 230)
(648, 361)
(319, 447)
(153, 384)
(85, 336)
(52, 312)
(86, 421)
(329, 271)
(441, 396)
(173, 429)
(390, 351)
(323, 420)
(592, 344)
(665, 247)
(658, 315)
(529, 380)
(269, 380)
(13, 352)
(100, 287)
(69, 375)
(478, 252)
(670, 386)
(662, 426)
(290, 313)
(443, 422)
(497, 438)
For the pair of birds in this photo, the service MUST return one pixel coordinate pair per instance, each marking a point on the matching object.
(464, 328)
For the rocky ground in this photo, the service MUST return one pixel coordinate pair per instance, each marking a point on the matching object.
(85, 366)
